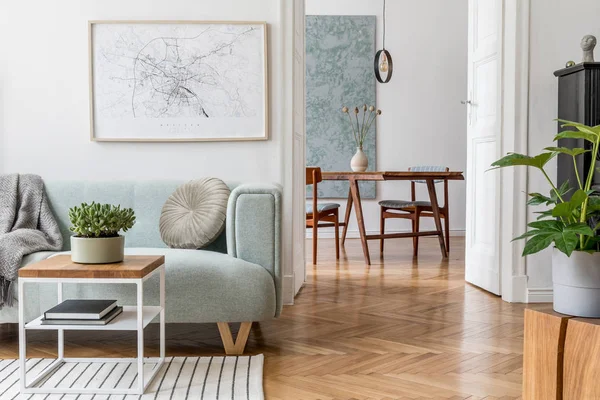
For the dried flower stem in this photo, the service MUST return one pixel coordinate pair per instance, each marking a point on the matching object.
(352, 125)
(358, 143)
(370, 121)
(363, 124)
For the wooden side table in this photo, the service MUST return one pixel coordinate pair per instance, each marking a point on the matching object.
(581, 372)
(133, 270)
(561, 356)
(543, 353)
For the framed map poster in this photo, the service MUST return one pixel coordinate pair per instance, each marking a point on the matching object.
(178, 81)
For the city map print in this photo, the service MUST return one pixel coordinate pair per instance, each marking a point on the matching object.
(161, 81)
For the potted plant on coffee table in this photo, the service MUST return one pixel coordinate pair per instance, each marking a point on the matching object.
(97, 227)
(569, 224)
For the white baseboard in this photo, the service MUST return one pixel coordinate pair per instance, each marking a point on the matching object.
(539, 295)
(353, 234)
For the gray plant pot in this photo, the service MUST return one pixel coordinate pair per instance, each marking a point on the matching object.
(576, 283)
(97, 250)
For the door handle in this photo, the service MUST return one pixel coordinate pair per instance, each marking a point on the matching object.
(466, 102)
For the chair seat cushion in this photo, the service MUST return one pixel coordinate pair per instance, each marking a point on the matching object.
(399, 204)
(322, 207)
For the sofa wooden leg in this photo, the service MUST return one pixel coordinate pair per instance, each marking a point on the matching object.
(234, 348)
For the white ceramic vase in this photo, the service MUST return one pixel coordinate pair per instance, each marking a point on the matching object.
(97, 250)
(359, 162)
(576, 283)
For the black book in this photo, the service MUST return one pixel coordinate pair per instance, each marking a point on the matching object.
(81, 309)
(103, 321)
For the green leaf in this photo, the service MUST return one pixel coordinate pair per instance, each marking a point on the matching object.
(567, 209)
(547, 225)
(543, 214)
(563, 210)
(565, 150)
(579, 229)
(580, 127)
(538, 198)
(592, 244)
(576, 135)
(537, 243)
(566, 242)
(593, 204)
(562, 191)
(515, 159)
(578, 198)
(564, 188)
(527, 234)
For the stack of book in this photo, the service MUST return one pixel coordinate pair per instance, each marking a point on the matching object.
(82, 312)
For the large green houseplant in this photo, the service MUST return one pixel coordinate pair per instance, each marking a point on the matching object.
(96, 227)
(569, 223)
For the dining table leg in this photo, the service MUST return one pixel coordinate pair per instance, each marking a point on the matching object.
(360, 219)
(436, 215)
(347, 216)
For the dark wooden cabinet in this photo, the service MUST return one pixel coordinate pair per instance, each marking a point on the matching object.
(579, 101)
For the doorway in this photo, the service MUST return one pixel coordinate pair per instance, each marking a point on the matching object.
(506, 276)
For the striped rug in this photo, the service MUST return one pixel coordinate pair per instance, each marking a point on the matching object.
(180, 378)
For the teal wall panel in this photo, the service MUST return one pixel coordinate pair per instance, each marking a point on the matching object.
(339, 71)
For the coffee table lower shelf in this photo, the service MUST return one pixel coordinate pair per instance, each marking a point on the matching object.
(126, 321)
(152, 366)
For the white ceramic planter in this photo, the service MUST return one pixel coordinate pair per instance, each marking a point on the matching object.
(97, 250)
(359, 162)
(576, 283)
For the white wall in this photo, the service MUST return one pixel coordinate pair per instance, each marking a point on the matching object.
(44, 95)
(423, 121)
(557, 27)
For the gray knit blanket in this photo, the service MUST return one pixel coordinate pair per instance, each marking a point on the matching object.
(27, 225)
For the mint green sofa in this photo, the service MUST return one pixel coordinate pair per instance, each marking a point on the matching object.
(237, 278)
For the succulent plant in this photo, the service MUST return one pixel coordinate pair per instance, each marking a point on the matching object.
(100, 220)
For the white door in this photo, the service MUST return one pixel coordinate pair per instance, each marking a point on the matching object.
(483, 144)
(299, 161)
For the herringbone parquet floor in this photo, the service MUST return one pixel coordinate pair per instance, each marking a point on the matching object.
(400, 329)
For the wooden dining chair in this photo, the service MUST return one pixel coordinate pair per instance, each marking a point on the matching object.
(414, 209)
(326, 214)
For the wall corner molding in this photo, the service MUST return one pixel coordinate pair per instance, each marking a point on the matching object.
(518, 290)
(287, 288)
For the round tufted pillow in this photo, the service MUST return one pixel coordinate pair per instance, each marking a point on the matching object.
(194, 215)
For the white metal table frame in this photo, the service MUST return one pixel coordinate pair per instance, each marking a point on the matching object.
(29, 388)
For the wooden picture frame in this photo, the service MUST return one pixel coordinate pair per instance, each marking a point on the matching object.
(178, 81)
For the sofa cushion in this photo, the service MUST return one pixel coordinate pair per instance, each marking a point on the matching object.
(194, 216)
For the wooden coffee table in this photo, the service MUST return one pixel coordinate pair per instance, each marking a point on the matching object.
(60, 269)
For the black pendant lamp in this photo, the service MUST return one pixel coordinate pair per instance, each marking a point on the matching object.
(383, 59)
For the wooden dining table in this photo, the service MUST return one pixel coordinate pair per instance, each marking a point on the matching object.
(354, 200)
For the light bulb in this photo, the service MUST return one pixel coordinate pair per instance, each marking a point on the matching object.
(383, 66)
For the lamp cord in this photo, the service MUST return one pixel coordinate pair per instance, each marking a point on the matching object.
(384, 24)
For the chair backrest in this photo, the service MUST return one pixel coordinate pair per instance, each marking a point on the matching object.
(313, 175)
